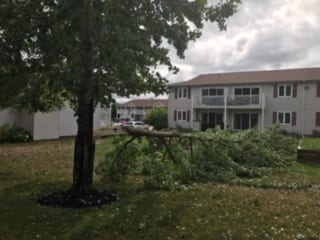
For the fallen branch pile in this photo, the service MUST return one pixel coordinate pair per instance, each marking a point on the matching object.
(165, 139)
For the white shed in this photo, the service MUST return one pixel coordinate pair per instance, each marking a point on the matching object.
(52, 125)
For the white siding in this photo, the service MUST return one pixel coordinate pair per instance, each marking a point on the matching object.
(7, 116)
(46, 126)
(67, 122)
(182, 104)
(96, 118)
(102, 118)
(53, 125)
(25, 120)
(311, 106)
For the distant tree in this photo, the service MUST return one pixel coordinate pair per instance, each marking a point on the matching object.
(158, 118)
(83, 51)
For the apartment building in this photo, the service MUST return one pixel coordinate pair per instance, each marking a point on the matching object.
(137, 109)
(245, 100)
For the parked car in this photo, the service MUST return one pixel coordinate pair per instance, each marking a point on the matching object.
(136, 124)
(120, 121)
(116, 123)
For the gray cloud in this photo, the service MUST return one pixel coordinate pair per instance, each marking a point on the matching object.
(262, 35)
(269, 34)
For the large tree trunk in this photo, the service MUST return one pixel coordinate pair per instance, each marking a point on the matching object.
(84, 144)
(84, 151)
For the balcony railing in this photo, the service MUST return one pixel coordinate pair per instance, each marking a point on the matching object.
(138, 111)
(231, 101)
(210, 101)
(132, 111)
(243, 100)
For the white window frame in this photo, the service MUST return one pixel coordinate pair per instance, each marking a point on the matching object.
(250, 123)
(284, 118)
(216, 88)
(285, 90)
(182, 116)
(183, 92)
(251, 87)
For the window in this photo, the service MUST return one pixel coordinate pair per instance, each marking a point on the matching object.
(182, 92)
(220, 92)
(285, 90)
(284, 118)
(245, 91)
(238, 91)
(181, 115)
(212, 92)
(205, 92)
(184, 115)
(317, 119)
(244, 121)
(211, 120)
(255, 91)
(246, 95)
(212, 96)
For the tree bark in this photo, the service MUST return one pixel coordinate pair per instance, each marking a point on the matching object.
(84, 143)
(84, 151)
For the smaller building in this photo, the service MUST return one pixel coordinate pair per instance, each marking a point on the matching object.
(137, 109)
(52, 125)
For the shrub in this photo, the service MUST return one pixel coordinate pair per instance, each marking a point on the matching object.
(315, 133)
(14, 134)
(158, 118)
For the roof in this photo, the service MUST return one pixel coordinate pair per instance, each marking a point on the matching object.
(145, 103)
(253, 77)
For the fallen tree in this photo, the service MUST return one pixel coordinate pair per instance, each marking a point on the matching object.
(166, 138)
(214, 155)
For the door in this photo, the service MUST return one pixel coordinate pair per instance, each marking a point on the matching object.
(211, 120)
(204, 121)
(244, 121)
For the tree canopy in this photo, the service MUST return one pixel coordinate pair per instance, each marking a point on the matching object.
(83, 51)
(48, 46)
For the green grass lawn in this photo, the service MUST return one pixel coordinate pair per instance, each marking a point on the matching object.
(310, 143)
(200, 211)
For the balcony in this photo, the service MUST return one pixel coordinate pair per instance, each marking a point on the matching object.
(132, 111)
(230, 101)
(138, 112)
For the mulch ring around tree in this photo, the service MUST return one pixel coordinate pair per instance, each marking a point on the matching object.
(66, 199)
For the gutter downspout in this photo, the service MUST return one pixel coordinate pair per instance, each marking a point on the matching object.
(303, 109)
(225, 112)
(263, 102)
(191, 113)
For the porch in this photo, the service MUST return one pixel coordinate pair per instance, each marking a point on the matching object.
(233, 119)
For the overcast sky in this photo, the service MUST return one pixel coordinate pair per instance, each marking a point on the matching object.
(263, 34)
